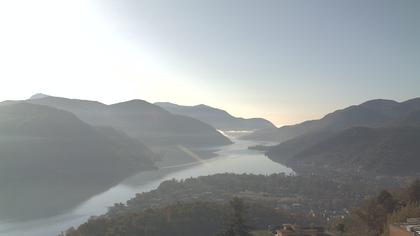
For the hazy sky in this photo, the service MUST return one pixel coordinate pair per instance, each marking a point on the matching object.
(287, 61)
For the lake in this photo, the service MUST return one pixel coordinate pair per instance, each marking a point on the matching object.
(235, 158)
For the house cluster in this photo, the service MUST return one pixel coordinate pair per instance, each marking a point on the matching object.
(296, 230)
(409, 228)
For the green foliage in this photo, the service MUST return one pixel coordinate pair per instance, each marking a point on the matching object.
(237, 225)
(301, 195)
(412, 210)
(199, 218)
(374, 216)
(183, 219)
(387, 201)
(414, 192)
(409, 211)
(200, 206)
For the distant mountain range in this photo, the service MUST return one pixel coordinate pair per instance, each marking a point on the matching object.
(74, 149)
(388, 151)
(50, 160)
(141, 120)
(378, 136)
(374, 113)
(218, 118)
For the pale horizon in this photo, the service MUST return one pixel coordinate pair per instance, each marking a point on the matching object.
(209, 117)
(110, 102)
(285, 61)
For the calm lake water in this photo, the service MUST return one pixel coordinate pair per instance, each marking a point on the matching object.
(235, 158)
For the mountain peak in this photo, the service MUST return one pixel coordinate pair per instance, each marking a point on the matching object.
(203, 106)
(216, 117)
(39, 96)
(379, 102)
(134, 103)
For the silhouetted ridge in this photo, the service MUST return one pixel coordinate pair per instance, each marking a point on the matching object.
(383, 137)
(138, 106)
(47, 152)
(218, 118)
(142, 120)
(374, 113)
(38, 96)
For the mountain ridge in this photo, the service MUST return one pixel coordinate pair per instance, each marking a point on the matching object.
(45, 151)
(141, 120)
(388, 147)
(372, 113)
(216, 117)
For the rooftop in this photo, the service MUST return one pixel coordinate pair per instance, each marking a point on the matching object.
(291, 229)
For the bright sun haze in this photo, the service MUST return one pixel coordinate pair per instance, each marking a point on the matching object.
(209, 117)
(287, 61)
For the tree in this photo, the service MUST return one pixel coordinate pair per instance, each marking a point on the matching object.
(237, 225)
(414, 192)
(387, 201)
(401, 215)
(340, 227)
(374, 215)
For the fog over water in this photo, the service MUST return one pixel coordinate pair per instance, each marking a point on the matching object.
(234, 158)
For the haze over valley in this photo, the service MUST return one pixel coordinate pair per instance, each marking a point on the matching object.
(209, 118)
(82, 149)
